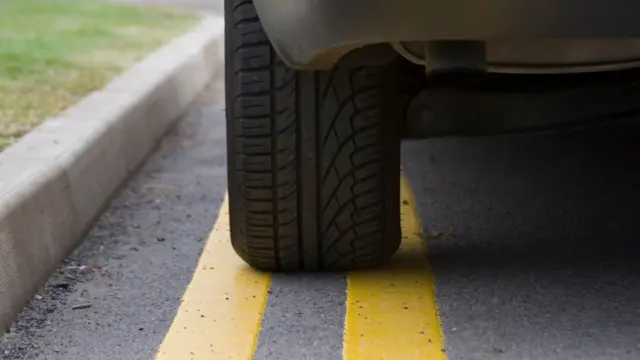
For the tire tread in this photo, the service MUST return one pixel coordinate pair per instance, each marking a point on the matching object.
(267, 188)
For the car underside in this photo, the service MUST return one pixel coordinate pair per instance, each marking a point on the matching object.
(514, 65)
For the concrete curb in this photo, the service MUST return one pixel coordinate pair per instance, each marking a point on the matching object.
(57, 179)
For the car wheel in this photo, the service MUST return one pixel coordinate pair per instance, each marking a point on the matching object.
(313, 157)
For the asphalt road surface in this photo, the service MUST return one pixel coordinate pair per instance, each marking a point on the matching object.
(532, 254)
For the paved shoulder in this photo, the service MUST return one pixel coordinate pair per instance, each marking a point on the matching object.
(116, 296)
(209, 6)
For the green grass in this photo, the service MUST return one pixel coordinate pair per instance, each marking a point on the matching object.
(53, 52)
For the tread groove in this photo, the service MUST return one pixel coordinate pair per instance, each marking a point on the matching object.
(298, 113)
(274, 157)
(316, 126)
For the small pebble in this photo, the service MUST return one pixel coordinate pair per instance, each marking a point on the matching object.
(81, 306)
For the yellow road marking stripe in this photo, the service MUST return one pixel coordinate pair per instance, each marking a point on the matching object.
(221, 310)
(392, 311)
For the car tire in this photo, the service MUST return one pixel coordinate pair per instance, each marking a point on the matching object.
(313, 157)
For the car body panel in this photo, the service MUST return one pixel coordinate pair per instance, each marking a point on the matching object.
(315, 34)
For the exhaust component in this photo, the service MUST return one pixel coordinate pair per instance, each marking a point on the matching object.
(447, 56)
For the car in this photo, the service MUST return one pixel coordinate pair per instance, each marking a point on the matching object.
(320, 93)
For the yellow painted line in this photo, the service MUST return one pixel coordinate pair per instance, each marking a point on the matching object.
(221, 310)
(392, 311)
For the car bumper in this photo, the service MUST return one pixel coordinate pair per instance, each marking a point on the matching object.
(316, 33)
